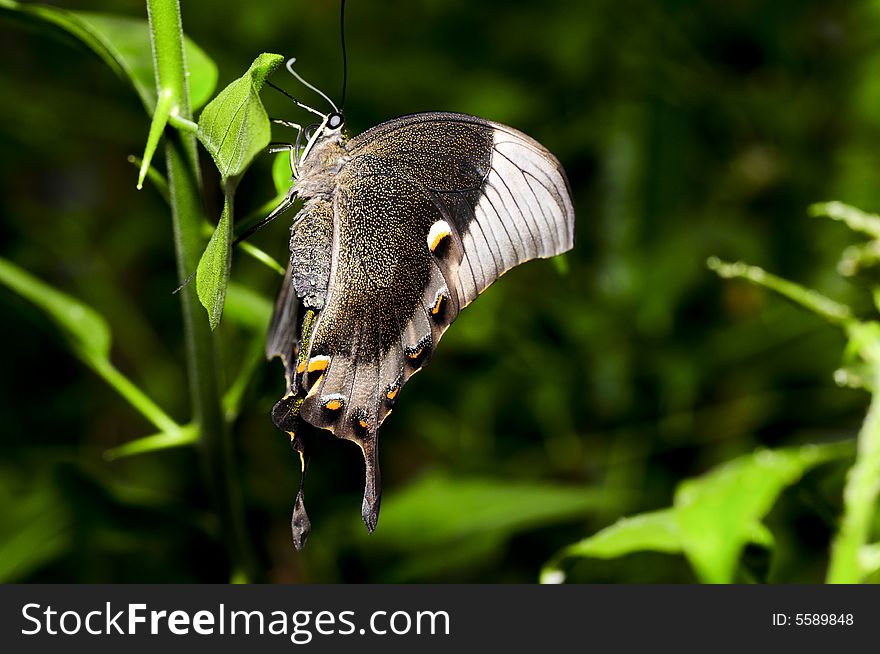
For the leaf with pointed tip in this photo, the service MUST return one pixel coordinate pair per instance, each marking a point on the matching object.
(234, 127)
(429, 513)
(713, 517)
(212, 273)
(185, 436)
(85, 330)
(88, 335)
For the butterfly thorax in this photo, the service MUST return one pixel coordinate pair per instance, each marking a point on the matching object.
(318, 172)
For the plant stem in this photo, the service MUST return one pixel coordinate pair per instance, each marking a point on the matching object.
(859, 498)
(833, 312)
(184, 183)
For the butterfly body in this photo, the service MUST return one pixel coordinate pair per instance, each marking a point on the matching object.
(403, 226)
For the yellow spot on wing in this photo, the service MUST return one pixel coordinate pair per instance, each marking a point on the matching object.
(392, 393)
(362, 423)
(301, 368)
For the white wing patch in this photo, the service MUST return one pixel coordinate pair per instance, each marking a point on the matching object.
(525, 212)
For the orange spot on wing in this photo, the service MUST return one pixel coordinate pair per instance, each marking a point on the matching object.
(319, 363)
(333, 405)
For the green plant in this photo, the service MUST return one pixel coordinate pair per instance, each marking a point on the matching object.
(715, 516)
(173, 77)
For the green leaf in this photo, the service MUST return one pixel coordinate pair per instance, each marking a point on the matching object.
(85, 330)
(440, 511)
(869, 559)
(719, 513)
(560, 262)
(157, 127)
(88, 336)
(712, 518)
(36, 527)
(159, 181)
(282, 176)
(124, 44)
(248, 308)
(262, 256)
(186, 435)
(656, 531)
(234, 126)
(212, 274)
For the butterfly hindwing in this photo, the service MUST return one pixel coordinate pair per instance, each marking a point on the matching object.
(283, 337)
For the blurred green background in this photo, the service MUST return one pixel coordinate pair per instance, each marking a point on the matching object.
(559, 401)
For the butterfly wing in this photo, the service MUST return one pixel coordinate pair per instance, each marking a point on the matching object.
(507, 196)
(428, 211)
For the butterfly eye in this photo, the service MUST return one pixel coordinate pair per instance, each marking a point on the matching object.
(335, 120)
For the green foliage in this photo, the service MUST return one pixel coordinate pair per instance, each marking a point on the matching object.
(711, 519)
(88, 336)
(87, 332)
(35, 528)
(555, 405)
(849, 563)
(234, 127)
(440, 512)
(281, 174)
(124, 45)
(212, 275)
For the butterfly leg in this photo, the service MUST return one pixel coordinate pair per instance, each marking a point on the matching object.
(372, 482)
(291, 150)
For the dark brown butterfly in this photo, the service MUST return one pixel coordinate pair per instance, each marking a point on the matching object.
(402, 227)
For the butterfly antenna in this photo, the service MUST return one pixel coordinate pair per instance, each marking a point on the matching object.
(344, 57)
(299, 77)
(295, 101)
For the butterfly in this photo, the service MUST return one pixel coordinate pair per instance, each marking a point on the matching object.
(402, 227)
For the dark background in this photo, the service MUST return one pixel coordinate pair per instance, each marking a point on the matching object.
(559, 401)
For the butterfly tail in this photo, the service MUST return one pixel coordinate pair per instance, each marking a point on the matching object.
(300, 524)
(372, 481)
(286, 416)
